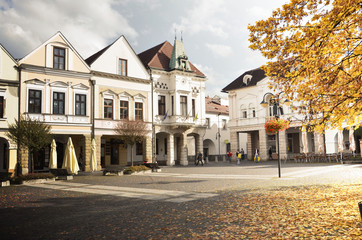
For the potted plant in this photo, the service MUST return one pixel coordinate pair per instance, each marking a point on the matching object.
(275, 125)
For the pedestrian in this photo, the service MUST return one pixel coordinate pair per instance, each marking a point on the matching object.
(239, 157)
(242, 154)
(270, 153)
(256, 157)
(229, 156)
(199, 159)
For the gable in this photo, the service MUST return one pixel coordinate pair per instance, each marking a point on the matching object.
(43, 56)
(247, 79)
(107, 59)
(7, 65)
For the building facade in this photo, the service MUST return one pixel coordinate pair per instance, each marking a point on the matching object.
(252, 103)
(122, 91)
(217, 135)
(178, 89)
(9, 87)
(55, 88)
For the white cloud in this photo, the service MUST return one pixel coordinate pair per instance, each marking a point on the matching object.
(89, 25)
(214, 83)
(204, 16)
(220, 50)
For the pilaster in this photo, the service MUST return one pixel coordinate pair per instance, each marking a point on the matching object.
(234, 143)
(87, 143)
(148, 146)
(170, 150)
(183, 149)
(283, 145)
(263, 151)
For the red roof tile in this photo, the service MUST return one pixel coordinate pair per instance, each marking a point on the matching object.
(212, 107)
(159, 57)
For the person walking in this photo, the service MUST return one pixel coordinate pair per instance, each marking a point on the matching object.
(238, 156)
(229, 156)
(242, 154)
(256, 158)
(270, 153)
(199, 159)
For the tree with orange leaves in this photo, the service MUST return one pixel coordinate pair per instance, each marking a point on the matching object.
(314, 52)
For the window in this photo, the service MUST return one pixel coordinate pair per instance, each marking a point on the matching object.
(34, 104)
(243, 112)
(139, 148)
(161, 105)
(183, 105)
(193, 107)
(108, 109)
(172, 104)
(138, 111)
(208, 122)
(122, 67)
(59, 58)
(80, 104)
(58, 102)
(252, 112)
(224, 124)
(123, 110)
(165, 141)
(1, 107)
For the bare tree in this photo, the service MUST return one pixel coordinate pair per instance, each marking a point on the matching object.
(132, 132)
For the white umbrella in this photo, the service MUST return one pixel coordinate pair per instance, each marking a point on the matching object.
(53, 156)
(93, 162)
(340, 140)
(304, 140)
(352, 143)
(70, 159)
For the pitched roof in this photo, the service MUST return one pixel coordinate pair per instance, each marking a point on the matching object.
(213, 107)
(256, 75)
(95, 56)
(159, 57)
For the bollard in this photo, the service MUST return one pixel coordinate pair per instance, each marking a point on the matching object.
(360, 209)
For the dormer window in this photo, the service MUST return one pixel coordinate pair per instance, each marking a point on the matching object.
(247, 79)
(122, 67)
(59, 58)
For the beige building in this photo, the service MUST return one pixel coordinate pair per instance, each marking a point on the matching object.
(56, 89)
(9, 86)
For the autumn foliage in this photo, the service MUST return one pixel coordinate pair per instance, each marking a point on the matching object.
(275, 125)
(314, 52)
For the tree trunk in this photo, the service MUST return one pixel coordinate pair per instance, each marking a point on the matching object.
(32, 162)
(132, 154)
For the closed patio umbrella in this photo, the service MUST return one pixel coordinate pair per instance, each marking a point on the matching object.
(320, 143)
(53, 156)
(93, 162)
(70, 159)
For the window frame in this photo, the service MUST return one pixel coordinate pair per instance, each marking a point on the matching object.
(80, 102)
(57, 100)
(161, 105)
(122, 67)
(31, 108)
(58, 56)
(106, 107)
(183, 105)
(121, 110)
(138, 112)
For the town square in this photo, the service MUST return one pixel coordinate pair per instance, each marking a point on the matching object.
(180, 120)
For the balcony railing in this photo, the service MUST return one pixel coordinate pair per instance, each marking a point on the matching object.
(61, 119)
(179, 120)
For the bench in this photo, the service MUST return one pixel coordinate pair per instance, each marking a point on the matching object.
(113, 170)
(153, 166)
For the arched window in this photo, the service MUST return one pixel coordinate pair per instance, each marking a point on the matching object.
(243, 112)
(252, 112)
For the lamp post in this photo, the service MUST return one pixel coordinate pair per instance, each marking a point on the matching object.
(277, 111)
(218, 131)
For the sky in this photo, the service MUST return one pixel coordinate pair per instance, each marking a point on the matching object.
(214, 32)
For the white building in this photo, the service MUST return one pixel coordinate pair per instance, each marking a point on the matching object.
(216, 139)
(122, 90)
(248, 116)
(178, 103)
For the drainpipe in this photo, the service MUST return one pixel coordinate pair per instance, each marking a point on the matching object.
(18, 155)
(93, 83)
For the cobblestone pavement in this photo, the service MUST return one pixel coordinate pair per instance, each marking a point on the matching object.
(172, 204)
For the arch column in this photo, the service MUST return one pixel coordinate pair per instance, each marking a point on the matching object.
(170, 150)
(183, 150)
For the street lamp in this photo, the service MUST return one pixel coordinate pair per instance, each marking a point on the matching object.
(277, 111)
(218, 131)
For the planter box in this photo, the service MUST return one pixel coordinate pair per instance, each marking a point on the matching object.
(5, 183)
(139, 173)
(37, 181)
